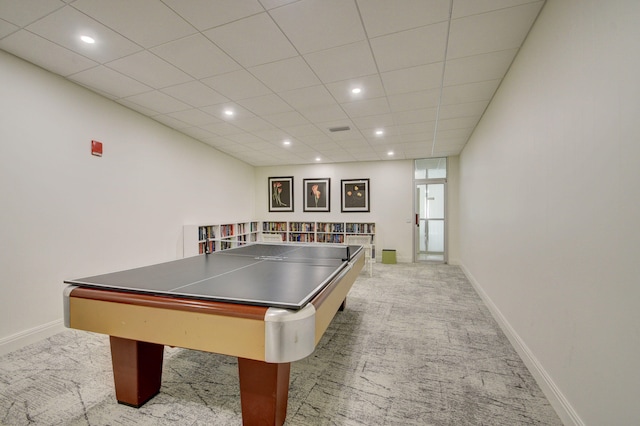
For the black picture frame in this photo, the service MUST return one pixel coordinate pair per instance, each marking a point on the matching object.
(354, 195)
(317, 195)
(281, 194)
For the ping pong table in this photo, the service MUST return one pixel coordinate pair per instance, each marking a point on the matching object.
(266, 304)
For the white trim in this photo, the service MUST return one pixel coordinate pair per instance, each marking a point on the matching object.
(32, 335)
(556, 398)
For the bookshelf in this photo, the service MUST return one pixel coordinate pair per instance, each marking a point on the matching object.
(279, 228)
(217, 237)
(320, 232)
(229, 235)
(302, 232)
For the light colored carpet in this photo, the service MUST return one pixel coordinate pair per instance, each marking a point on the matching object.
(415, 346)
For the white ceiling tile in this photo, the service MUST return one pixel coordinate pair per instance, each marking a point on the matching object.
(272, 135)
(308, 97)
(137, 107)
(458, 134)
(414, 100)
(110, 81)
(413, 79)
(146, 22)
(392, 62)
(217, 141)
(300, 148)
(65, 26)
(470, 109)
(324, 145)
(364, 154)
(45, 54)
(470, 92)
(245, 138)
(324, 113)
(272, 4)
(205, 14)
(252, 41)
(195, 94)
(286, 119)
(237, 85)
(196, 132)
(7, 28)
(420, 46)
(371, 87)
(342, 63)
(474, 7)
(158, 102)
(458, 123)
(488, 66)
(421, 152)
(222, 129)
(266, 105)
(338, 154)
(303, 130)
(236, 148)
(174, 123)
(219, 111)
(258, 145)
(253, 124)
(317, 25)
(194, 117)
(415, 116)
(30, 10)
(422, 128)
(374, 121)
(418, 138)
(367, 107)
(150, 69)
(322, 139)
(197, 56)
(288, 74)
(385, 17)
(499, 30)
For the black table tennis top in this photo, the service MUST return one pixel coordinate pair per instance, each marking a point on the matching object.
(275, 275)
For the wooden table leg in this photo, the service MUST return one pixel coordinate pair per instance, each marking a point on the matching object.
(264, 391)
(137, 370)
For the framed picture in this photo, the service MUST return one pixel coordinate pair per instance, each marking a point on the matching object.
(354, 195)
(281, 194)
(316, 195)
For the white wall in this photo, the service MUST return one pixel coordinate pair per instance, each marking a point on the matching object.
(549, 207)
(66, 214)
(391, 199)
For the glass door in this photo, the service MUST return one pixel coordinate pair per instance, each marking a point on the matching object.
(430, 222)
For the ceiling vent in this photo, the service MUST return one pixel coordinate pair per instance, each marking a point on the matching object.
(339, 129)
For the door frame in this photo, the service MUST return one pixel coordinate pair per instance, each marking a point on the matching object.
(416, 213)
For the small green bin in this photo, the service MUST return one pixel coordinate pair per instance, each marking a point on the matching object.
(389, 256)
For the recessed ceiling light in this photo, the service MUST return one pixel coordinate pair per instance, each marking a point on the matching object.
(318, 158)
(390, 153)
(379, 132)
(356, 90)
(287, 142)
(228, 112)
(87, 39)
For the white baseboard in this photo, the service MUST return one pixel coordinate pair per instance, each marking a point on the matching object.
(27, 337)
(557, 400)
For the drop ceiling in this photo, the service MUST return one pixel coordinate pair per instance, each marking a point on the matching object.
(285, 69)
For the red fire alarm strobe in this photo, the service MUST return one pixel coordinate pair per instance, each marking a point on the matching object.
(96, 148)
